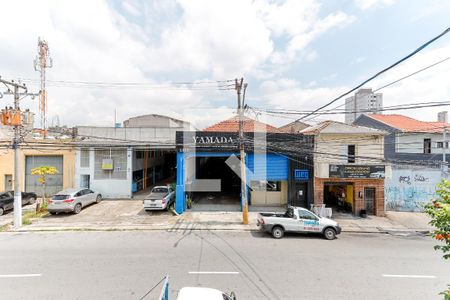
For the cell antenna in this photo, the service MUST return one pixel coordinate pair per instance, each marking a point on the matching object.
(42, 62)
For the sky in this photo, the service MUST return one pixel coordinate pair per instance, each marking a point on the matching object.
(293, 55)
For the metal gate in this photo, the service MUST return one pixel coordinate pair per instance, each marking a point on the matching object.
(369, 199)
(54, 182)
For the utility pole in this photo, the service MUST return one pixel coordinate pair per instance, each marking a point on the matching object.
(16, 122)
(238, 87)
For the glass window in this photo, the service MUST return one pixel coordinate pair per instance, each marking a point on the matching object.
(159, 190)
(440, 144)
(60, 197)
(303, 214)
(351, 151)
(119, 157)
(84, 158)
(427, 146)
(263, 185)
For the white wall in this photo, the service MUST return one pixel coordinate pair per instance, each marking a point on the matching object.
(332, 148)
(413, 142)
(109, 188)
(409, 189)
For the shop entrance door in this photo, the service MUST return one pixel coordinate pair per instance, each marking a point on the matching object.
(300, 194)
(369, 199)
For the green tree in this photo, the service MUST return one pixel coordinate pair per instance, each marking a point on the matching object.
(43, 172)
(439, 211)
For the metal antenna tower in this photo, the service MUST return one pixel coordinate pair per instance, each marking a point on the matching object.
(42, 62)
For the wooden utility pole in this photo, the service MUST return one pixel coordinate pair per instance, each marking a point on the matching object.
(238, 87)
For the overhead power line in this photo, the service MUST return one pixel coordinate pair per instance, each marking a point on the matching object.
(423, 46)
(405, 106)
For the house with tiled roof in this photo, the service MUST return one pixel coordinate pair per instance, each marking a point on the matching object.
(349, 167)
(249, 125)
(416, 150)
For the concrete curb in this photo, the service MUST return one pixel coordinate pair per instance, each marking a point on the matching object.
(197, 227)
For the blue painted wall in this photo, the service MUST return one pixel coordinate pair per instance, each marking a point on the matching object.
(277, 167)
(180, 200)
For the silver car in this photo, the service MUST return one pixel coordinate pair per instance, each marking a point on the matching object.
(160, 198)
(72, 200)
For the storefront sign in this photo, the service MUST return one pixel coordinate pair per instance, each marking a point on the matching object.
(212, 139)
(357, 171)
(300, 174)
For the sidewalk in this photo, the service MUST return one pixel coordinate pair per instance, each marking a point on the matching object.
(394, 222)
(129, 215)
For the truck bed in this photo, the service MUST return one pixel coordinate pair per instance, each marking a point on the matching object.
(273, 214)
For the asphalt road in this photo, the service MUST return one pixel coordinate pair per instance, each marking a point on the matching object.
(125, 265)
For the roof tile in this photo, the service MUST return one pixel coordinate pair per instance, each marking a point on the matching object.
(407, 124)
(250, 125)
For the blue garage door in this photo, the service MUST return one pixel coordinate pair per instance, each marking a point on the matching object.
(277, 167)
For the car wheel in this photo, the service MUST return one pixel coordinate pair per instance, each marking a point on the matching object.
(329, 233)
(77, 208)
(32, 200)
(1, 211)
(277, 232)
(52, 212)
(98, 199)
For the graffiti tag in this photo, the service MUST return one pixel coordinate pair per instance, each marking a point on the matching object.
(404, 179)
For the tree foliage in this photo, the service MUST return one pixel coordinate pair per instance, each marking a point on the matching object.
(43, 172)
(439, 211)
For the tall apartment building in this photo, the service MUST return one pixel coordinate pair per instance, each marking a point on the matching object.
(364, 101)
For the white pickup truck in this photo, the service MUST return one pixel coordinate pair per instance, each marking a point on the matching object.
(297, 219)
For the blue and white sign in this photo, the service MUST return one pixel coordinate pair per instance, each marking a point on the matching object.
(301, 174)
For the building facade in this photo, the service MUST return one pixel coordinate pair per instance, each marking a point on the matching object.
(279, 167)
(121, 162)
(416, 151)
(35, 154)
(349, 168)
(364, 101)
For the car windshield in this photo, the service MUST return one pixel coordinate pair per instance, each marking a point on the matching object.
(60, 197)
(159, 190)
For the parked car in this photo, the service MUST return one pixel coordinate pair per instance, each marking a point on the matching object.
(73, 200)
(203, 293)
(160, 198)
(7, 200)
(297, 219)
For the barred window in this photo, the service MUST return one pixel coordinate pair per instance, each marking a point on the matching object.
(84, 158)
(119, 160)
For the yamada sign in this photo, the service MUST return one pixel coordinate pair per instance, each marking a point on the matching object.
(213, 139)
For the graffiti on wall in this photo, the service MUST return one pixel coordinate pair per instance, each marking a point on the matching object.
(409, 190)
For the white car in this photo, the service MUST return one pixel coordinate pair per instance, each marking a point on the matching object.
(72, 200)
(160, 198)
(201, 293)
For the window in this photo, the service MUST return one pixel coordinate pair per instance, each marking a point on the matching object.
(119, 159)
(84, 158)
(261, 185)
(139, 154)
(441, 144)
(306, 215)
(427, 146)
(351, 149)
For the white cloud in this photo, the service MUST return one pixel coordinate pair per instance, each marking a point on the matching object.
(429, 85)
(369, 4)
(300, 23)
(151, 41)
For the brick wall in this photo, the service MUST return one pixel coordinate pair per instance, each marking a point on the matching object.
(358, 186)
